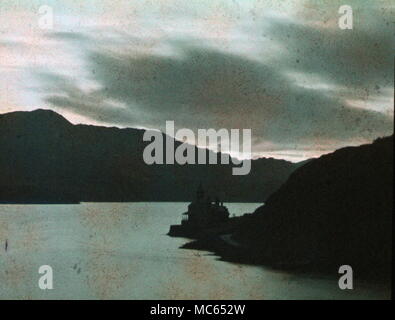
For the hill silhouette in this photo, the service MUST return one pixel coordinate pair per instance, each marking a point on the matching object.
(332, 211)
(45, 158)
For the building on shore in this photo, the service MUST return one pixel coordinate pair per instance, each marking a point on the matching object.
(203, 212)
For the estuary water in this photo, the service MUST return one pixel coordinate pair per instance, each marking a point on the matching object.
(121, 251)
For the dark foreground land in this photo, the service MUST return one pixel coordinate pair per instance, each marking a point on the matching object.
(333, 211)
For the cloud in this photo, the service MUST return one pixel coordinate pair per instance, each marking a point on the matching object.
(202, 88)
(318, 88)
(353, 59)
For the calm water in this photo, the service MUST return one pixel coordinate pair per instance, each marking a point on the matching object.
(121, 251)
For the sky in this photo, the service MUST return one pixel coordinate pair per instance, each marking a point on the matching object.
(283, 69)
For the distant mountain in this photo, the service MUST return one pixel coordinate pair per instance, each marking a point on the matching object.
(332, 211)
(44, 158)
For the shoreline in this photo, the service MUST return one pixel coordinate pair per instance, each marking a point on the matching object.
(221, 244)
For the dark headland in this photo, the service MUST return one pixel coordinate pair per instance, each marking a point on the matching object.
(335, 210)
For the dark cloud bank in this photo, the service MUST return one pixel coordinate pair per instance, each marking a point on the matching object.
(201, 87)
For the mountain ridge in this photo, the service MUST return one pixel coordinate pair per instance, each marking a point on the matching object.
(45, 158)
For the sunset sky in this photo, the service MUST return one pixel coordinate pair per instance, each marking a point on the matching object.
(281, 68)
